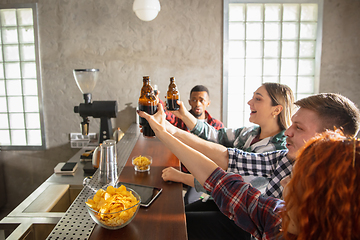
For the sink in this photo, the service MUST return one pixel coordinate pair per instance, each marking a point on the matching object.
(54, 198)
(66, 200)
(48, 200)
(38, 231)
(6, 229)
(36, 217)
(24, 228)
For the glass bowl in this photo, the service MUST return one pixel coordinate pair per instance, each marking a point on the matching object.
(141, 165)
(115, 220)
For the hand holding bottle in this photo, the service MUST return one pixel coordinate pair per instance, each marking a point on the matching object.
(181, 111)
(148, 103)
(172, 96)
(189, 119)
(159, 118)
(157, 121)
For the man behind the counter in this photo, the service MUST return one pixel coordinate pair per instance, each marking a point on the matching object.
(199, 101)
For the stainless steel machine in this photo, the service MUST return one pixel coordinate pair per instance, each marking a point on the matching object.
(105, 110)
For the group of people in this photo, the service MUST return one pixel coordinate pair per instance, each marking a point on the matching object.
(309, 159)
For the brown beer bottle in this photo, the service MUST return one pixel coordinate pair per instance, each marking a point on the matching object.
(147, 103)
(172, 96)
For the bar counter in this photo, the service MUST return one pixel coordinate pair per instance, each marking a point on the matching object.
(63, 214)
(165, 217)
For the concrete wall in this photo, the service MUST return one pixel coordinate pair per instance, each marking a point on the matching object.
(184, 41)
(340, 61)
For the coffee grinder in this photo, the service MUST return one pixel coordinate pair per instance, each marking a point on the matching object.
(86, 80)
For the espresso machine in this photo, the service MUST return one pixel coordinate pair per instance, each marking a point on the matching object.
(105, 110)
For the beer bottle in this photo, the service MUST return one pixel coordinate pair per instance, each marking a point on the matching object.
(147, 103)
(172, 96)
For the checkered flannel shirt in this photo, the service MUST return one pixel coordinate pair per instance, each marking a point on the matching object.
(245, 205)
(273, 165)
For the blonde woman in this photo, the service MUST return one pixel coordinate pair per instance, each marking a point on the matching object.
(271, 108)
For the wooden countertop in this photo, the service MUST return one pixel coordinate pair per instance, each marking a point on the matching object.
(165, 217)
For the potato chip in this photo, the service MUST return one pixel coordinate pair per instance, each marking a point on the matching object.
(116, 201)
(142, 162)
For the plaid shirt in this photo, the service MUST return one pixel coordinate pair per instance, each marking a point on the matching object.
(241, 138)
(244, 204)
(177, 122)
(273, 165)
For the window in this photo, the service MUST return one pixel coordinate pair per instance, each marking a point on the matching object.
(268, 42)
(21, 120)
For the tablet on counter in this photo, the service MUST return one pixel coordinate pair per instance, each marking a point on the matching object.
(147, 193)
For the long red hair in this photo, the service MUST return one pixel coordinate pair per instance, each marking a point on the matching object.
(325, 187)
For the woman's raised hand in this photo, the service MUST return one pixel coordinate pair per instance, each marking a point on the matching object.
(182, 110)
(157, 121)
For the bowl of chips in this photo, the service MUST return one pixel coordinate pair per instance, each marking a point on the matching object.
(113, 208)
(142, 163)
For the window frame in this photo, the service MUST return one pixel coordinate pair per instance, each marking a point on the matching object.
(34, 7)
(225, 76)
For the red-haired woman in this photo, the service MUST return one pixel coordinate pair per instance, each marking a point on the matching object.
(322, 199)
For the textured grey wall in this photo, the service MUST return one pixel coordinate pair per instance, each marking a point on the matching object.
(340, 62)
(184, 41)
(108, 36)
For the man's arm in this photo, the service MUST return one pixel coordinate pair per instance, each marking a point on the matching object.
(198, 164)
(214, 151)
(189, 119)
(244, 205)
(172, 174)
(202, 129)
(211, 176)
(223, 136)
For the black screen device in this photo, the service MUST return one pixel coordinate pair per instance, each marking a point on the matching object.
(147, 193)
(68, 167)
(89, 168)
